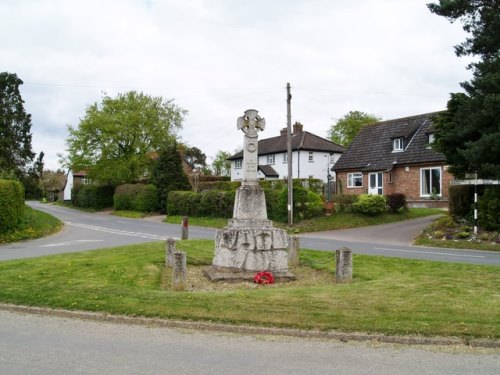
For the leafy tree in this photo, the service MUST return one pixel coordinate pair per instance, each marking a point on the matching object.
(52, 182)
(221, 166)
(168, 174)
(15, 127)
(31, 178)
(468, 133)
(346, 128)
(116, 139)
(194, 157)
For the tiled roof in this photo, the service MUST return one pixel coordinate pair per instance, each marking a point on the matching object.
(301, 140)
(371, 149)
(268, 171)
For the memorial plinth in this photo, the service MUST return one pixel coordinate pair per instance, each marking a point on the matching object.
(249, 244)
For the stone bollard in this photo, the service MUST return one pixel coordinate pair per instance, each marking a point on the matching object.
(184, 231)
(343, 265)
(169, 256)
(179, 271)
(293, 250)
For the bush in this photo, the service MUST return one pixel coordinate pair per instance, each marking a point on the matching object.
(395, 202)
(212, 203)
(461, 200)
(136, 197)
(344, 202)
(369, 204)
(92, 196)
(306, 204)
(489, 208)
(11, 204)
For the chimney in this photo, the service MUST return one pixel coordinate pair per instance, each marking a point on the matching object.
(298, 127)
(283, 132)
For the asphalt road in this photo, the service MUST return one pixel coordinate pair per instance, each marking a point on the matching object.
(87, 231)
(31, 344)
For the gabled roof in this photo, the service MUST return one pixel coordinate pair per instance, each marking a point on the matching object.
(371, 149)
(301, 140)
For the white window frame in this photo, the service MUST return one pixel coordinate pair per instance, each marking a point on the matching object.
(86, 181)
(311, 157)
(352, 177)
(270, 159)
(431, 138)
(427, 192)
(285, 158)
(397, 144)
(238, 163)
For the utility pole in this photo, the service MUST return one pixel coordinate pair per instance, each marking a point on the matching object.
(289, 153)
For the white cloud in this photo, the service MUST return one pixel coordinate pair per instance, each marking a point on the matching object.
(219, 58)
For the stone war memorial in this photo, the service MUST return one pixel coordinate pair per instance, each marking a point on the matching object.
(249, 243)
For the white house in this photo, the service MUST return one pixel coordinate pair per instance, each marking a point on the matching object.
(312, 157)
(72, 179)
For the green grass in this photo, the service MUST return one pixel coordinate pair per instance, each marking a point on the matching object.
(210, 222)
(388, 295)
(129, 214)
(35, 224)
(342, 220)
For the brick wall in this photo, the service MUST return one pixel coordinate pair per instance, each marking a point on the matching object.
(405, 180)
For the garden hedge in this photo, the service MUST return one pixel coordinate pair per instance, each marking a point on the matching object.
(11, 204)
(136, 197)
(92, 196)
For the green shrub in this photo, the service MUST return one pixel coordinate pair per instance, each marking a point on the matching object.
(217, 203)
(306, 204)
(369, 204)
(136, 197)
(489, 209)
(461, 200)
(92, 196)
(11, 204)
(219, 185)
(183, 203)
(344, 202)
(395, 202)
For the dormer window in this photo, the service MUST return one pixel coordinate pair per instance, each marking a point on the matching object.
(397, 144)
(431, 138)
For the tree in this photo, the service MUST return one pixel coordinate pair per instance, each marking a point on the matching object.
(168, 174)
(194, 157)
(468, 133)
(15, 127)
(221, 166)
(347, 127)
(117, 138)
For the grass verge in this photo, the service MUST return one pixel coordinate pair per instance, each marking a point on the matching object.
(388, 295)
(35, 224)
(341, 220)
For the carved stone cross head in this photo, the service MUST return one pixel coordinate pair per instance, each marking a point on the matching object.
(251, 122)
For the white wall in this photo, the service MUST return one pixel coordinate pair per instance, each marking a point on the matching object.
(302, 167)
(68, 187)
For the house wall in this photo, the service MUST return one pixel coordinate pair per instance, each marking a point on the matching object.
(405, 180)
(301, 166)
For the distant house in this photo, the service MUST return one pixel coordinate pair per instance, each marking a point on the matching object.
(396, 156)
(312, 156)
(73, 179)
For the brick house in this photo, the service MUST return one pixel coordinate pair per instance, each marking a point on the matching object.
(312, 156)
(396, 156)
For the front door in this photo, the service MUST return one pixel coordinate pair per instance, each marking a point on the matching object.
(375, 186)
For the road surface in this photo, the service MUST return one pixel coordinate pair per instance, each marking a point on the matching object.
(32, 344)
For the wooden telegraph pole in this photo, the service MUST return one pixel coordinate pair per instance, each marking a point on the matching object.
(289, 153)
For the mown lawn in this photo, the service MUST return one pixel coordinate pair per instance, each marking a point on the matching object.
(388, 295)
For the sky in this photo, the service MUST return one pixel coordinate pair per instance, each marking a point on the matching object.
(218, 58)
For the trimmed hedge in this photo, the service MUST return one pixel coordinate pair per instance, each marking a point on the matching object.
(211, 203)
(306, 205)
(92, 196)
(11, 204)
(369, 204)
(136, 197)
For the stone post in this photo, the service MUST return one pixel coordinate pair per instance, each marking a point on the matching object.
(185, 225)
(179, 271)
(343, 265)
(293, 250)
(169, 256)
